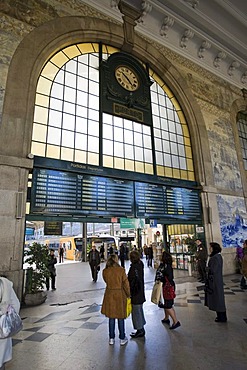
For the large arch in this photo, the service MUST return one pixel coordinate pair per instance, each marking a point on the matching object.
(18, 110)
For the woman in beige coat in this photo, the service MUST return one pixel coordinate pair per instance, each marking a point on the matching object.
(115, 298)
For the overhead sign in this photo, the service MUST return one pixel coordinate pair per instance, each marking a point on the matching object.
(53, 228)
(132, 223)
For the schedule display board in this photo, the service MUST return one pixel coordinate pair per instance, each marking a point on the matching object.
(167, 202)
(56, 192)
(59, 192)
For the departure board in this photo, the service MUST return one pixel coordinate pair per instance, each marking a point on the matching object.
(59, 192)
(167, 202)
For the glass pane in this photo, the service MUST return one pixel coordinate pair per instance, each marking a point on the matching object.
(118, 150)
(107, 132)
(167, 160)
(147, 142)
(107, 118)
(93, 102)
(93, 144)
(128, 124)
(129, 151)
(70, 80)
(139, 154)
(69, 108)
(53, 151)
(148, 157)
(39, 133)
(83, 68)
(93, 88)
(44, 86)
(68, 138)
(159, 158)
(80, 156)
(174, 148)
(108, 147)
(38, 149)
(81, 125)
(138, 139)
(40, 114)
(93, 115)
(118, 121)
(93, 159)
(118, 134)
(71, 66)
(93, 128)
(69, 94)
(54, 135)
(59, 59)
(56, 104)
(158, 144)
(82, 84)
(128, 137)
(68, 122)
(67, 154)
(82, 98)
(57, 91)
(81, 141)
(175, 162)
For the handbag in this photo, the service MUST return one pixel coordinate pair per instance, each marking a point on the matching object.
(168, 290)
(10, 323)
(156, 292)
(128, 307)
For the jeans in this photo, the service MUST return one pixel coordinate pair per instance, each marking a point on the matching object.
(120, 328)
(138, 318)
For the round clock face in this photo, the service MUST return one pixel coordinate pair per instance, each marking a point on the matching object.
(127, 78)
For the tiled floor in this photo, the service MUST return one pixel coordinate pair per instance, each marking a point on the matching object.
(69, 332)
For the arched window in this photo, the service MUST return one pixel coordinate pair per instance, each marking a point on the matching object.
(66, 120)
(242, 132)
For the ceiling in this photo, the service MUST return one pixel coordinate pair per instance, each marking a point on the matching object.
(211, 33)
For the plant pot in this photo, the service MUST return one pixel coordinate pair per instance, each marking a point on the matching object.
(35, 299)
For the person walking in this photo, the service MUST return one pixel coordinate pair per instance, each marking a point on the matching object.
(137, 294)
(115, 298)
(60, 253)
(94, 262)
(7, 296)
(214, 288)
(201, 258)
(122, 254)
(52, 260)
(150, 255)
(167, 271)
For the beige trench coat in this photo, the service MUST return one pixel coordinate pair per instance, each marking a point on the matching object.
(116, 293)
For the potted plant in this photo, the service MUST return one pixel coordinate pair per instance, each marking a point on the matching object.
(36, 256)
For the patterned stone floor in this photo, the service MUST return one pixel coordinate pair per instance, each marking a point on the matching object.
(68, 330)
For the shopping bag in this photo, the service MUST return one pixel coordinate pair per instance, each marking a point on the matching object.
(10, 323)
(128, 307)
(156, 292)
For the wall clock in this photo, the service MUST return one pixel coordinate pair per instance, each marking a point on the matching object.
(127, 78)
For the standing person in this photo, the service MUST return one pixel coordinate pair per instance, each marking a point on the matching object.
(201, 258)
(243, 283)
(122, 254)
(214, 289)
(94, 262)
(137, 294)
(102, 252)
(7, 296)
(60, 253)
(167, 271)
(150, 255)
(115, 298)
(52, 260)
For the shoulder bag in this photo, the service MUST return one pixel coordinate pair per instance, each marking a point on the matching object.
(168, 290)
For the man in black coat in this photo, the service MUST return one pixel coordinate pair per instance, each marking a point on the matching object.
(94, 262)
(201, 258)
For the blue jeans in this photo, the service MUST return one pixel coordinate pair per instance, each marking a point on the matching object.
(138, 318)
(120, 328)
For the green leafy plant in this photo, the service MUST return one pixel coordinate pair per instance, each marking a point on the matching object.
(37, 258)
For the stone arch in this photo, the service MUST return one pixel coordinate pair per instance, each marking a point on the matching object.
(18, 109)
(40, 44)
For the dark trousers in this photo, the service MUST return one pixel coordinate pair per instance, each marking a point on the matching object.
(53, 279)
(150, 259)
(60, 258)
(221, 316)
(201, 266)
(94, 270)
(122, 259)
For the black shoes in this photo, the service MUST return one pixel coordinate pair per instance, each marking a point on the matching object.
(138, 334)
(165, 321)
(175, 326)
(220, 320)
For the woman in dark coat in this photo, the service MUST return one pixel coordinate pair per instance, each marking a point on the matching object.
(136, 281)
(214, 289)
(167, 271)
